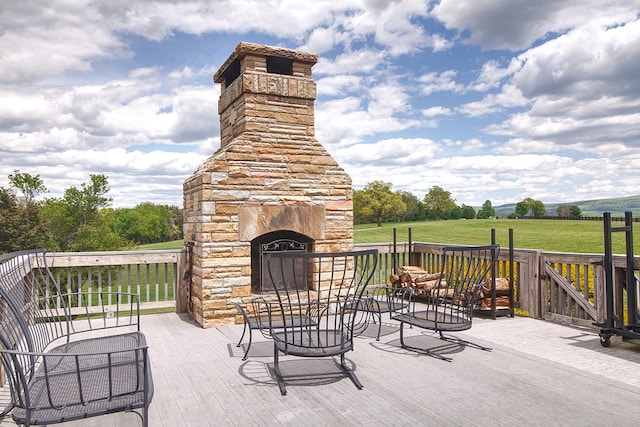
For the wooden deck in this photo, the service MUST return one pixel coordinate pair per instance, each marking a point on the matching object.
(538, 374)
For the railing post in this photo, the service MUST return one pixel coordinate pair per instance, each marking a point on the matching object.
(531, 285)
(183, 269)
(599, 292)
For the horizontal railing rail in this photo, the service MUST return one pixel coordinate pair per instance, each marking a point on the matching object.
(153, 275)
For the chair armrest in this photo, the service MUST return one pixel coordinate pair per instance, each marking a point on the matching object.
(400, 300)
(262, 315)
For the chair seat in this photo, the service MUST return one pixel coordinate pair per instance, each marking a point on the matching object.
(313, 342)
(446, 322)
(91, 384)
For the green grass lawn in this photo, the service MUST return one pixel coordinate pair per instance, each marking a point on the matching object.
(175, 244)
(547, 235)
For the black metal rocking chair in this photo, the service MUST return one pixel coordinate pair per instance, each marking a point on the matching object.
(448, 306)
(316, 306)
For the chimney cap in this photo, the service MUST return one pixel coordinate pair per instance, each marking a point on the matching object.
(245, 48)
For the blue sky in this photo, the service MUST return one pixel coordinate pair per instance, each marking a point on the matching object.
(490, 99)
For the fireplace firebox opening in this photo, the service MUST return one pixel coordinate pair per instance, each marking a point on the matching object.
(276, 241)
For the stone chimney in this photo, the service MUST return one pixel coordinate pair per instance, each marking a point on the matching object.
(271, 185)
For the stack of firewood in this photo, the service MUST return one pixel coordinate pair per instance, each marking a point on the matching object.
(502, 293)
(408, 276)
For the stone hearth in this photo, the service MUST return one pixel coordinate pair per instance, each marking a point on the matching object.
(270, 183)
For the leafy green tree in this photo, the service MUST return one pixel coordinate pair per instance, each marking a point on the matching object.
(575, 211)
(99, 235)
(30, 186)
(438, 201)
(377, 202)
(487, 210)
(453, 213)
(146, 223)
(20, 224)
(415, 208)
(569, 211)
(521, 209)
(536, 207)
(87, 201)
(468, 212)
(360, 215)
(75, 222)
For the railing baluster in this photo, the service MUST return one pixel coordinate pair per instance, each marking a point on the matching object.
(148, 283)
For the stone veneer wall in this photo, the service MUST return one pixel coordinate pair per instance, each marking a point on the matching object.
(270, 174)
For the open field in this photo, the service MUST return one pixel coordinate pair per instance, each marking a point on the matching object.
(174, 244)
(548, 235)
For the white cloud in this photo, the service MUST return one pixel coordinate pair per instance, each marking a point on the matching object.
(41, 39)
(389, 152)
(517, 24)
(339, 85)
(439, 82)
(565, 66)
(320, 40)
(509, 97)
(360, 61)
(492, 74)
(436, 111)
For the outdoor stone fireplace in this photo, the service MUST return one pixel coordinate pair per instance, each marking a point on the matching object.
(271, 186)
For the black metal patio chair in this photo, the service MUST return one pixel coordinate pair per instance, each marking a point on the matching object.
(315, 306)
(258, 321)
(447, 306)
(371, 307)
(62, 361)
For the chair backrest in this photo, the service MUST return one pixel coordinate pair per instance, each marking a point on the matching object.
(318, 292)
(31, 313)
(464, 270)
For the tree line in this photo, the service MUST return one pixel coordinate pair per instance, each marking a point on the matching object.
(378, 203)
(80, 220)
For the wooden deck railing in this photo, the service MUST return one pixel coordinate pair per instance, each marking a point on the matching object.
(154, 275)
(563, 287)
(557, 286)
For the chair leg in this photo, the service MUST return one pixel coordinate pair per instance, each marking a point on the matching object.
(457, 340)
(426, 351)
(276, 369)
(350, 372)
(247, 325)
(244, 330)
(379, 314)
(145, 416)
(246, 352)
(283, 389)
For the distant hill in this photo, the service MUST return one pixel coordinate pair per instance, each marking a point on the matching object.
(617, 206)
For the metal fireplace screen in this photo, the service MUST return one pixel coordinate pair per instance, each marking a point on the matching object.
(286, 276)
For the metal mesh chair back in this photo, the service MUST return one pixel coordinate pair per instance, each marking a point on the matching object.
(318, 298)
(314, 303)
